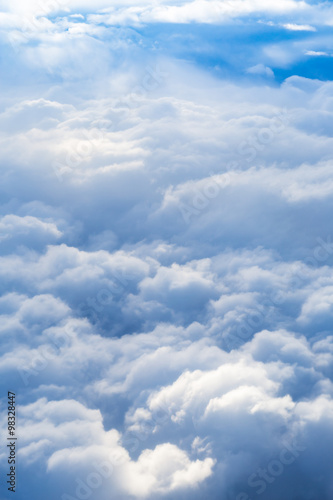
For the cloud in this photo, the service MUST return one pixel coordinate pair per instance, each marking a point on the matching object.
(207, 12)
(316, 53)
(166, 253)
(60, 425)
(166, 468)
(165, 11)
(299, 27)
(26, 231)
(260, 69)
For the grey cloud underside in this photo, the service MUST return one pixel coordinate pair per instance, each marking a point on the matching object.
(166, 276)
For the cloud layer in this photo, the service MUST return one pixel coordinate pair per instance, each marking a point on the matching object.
(166, 251)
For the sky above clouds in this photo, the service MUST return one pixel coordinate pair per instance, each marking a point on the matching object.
(166, 248)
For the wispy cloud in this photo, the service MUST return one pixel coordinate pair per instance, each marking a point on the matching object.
(299, 27)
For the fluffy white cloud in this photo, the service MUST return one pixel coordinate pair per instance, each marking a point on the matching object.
(165, 469)
(164, 10)
(299, 27)
(72, 437)
(202, 11)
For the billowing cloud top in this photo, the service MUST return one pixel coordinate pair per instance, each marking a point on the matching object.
(166, 249)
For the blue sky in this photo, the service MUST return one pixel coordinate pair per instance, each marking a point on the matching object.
(166, 248)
